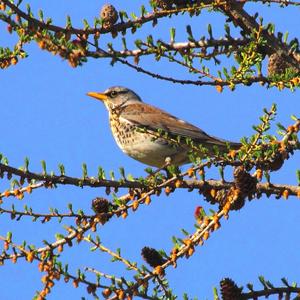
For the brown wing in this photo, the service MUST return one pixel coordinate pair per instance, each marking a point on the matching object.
(150, 117)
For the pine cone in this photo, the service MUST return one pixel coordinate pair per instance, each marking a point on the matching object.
(208, 196)
(182, 3)
(163, 4)
(244, 182)
(229, 290)
(244, 186)
(152, 257)
(109, 15)
(277, 64)
(100, 205)
(276, 163)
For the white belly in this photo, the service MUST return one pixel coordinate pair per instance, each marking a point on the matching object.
(150, 153)
(143, 148)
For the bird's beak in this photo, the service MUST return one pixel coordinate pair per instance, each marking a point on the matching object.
(99, 96)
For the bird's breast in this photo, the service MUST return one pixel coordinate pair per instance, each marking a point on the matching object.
(142, 146)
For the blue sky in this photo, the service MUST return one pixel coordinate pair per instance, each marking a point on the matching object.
(45, 114)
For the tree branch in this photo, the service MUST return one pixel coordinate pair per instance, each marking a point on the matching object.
(270, 291)
(241, 18)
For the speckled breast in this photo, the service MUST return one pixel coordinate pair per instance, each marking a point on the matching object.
(142, 147)
(123, 132)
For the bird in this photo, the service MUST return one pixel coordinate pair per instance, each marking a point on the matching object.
(151, 135)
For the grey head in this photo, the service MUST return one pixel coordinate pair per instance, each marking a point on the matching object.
(116, 96)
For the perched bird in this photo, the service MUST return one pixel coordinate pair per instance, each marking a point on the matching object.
(135, 127)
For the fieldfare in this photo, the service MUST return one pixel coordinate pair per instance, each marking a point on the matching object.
(137, 128)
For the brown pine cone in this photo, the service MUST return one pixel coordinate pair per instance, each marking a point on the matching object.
(152, 257)
(163, 4)
(276, 163)
(229, 290)
(181, 3)
(100, 205)
(277, 65)
(244, 186)
(244, 182)
(109, 15)
(208, 196)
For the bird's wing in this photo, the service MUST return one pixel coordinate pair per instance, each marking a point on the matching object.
(152, 118)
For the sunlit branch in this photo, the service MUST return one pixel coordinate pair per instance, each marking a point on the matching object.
(178, 46)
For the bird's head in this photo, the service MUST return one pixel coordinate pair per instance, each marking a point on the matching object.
(116, 96)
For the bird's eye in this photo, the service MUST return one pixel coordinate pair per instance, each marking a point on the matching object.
(113, 94)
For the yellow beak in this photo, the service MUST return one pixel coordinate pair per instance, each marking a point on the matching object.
(99, 96)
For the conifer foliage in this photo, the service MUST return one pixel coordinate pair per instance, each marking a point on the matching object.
(250, 52)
